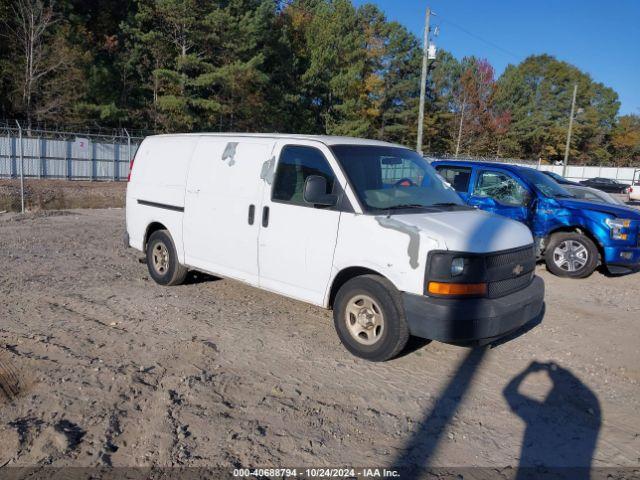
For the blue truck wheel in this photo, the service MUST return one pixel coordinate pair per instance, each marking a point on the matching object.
(571, 255)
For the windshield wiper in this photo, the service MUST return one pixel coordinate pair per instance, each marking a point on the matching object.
(446, 204)
(403, 206)
(407, 205)
(564, 195)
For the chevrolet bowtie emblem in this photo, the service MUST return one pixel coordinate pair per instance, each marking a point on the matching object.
(517, 270)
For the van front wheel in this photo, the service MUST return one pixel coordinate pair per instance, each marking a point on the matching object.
(571, 254)
(162, 260)
(369, 318)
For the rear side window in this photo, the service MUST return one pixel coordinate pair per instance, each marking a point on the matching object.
(501, 187)
(295, 165)
(457, 177)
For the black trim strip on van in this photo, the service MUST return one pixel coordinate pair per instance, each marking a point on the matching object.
(161, 205)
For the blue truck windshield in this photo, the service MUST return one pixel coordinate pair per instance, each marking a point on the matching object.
(545, 184)
(387, 178)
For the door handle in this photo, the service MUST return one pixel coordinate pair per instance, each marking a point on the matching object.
(194, 192)
(252, 214)
(265, 217)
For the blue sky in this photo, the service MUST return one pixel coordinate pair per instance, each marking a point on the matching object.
(601, 38)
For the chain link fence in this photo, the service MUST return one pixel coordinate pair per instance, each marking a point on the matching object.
(46, 153)
(39, 153)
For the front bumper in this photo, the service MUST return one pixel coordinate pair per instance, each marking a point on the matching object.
(462, 320)
(621, 260)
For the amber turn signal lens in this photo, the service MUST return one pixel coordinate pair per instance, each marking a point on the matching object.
(438, 288)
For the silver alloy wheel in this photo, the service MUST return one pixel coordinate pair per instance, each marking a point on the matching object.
(570, 255)
(160, 257)
(364, 319)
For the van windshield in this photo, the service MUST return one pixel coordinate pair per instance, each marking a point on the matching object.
(394, 178)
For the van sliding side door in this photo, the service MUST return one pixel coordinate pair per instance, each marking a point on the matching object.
(222, 201)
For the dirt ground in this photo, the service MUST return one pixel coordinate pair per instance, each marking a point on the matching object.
(60, 194)
(113, 369)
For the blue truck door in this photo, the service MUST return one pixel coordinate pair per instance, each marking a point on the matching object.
(498, 191)
(543, 212)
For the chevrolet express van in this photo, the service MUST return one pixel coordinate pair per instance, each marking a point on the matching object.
(366, 228)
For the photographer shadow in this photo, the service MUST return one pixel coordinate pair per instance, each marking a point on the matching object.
(561, 430)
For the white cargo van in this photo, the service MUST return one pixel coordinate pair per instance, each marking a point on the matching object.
(365, 228)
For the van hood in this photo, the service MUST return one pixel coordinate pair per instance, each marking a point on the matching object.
(615, 210)
(473, 231)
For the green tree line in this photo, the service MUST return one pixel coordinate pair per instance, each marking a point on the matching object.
(296, 66)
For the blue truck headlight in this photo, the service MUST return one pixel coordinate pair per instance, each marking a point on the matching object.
(617, 227)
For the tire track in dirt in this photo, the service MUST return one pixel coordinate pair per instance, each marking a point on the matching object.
(10, 383)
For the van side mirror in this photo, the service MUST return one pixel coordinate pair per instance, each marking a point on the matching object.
(315, 192)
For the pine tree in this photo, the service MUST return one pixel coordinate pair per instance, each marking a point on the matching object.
(537, 93)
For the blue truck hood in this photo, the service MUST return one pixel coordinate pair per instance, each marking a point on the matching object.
(616, 210)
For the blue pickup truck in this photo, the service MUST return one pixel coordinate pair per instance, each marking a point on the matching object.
(572, 236)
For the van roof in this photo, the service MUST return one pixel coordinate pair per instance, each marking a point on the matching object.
(326, 139)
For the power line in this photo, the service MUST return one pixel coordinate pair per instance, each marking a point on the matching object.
(478, 37)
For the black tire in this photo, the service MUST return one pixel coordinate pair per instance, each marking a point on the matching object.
(571, 239)
(391, 338)
(167, 271)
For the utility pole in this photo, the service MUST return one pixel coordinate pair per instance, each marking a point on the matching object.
(464, 102)
(423, 84)
(566, 149)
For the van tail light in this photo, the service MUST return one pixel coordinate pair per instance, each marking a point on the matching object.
(130, 168)
(630, 190)
(438, 288)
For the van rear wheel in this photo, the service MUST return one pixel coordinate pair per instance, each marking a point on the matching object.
(369, 318)
(571, 255)
(162, 260)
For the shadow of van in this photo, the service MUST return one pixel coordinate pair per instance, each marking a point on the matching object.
(414, 457)
(195, 277)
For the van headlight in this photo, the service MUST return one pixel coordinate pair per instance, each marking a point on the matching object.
(455, 274)
(617, 227)
(457, 266)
